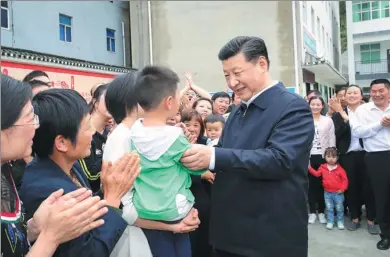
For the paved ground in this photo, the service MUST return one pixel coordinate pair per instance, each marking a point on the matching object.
(337, 243)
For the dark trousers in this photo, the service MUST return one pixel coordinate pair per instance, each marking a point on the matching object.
(316, 190)
(359, 190)
(378, 167)
(219, 253)
(168, 244)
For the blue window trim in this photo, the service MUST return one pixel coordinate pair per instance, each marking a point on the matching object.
(110, 40)
(65, 28)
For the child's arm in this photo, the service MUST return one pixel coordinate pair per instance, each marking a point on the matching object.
(316, 173)
(180, 146)
(344, 179)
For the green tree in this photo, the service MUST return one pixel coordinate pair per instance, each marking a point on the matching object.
(343, 26)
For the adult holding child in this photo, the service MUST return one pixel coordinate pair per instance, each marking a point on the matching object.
(261, 159)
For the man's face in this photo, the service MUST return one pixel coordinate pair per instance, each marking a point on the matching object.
(220, 105)
(341, 96)
(379, 94)
(243, 77)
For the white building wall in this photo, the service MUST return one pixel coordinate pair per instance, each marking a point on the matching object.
(324, 37)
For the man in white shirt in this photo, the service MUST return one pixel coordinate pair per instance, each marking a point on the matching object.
(372, 124)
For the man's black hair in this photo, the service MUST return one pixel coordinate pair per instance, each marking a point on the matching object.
(220, 95)
(386, 82)
(35, 74)
(37, 83)
(153, 84)
(14, 97)
(212, 118)
(120, 96)
(60, 112)
(251, 47)
(341, 89)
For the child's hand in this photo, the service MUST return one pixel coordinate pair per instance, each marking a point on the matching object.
(340, 191)
(209, 176)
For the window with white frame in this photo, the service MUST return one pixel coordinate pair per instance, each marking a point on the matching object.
(318, 29)
(65, 28)
(304, 12)
(370, 53)
(313, 22)
(370, 10)
(4, 15)
(110, 33)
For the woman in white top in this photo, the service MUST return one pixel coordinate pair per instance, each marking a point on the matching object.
(324, 137)
(123, 106)
(352, 156)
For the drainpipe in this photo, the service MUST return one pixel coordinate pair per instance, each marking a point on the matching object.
(124, 44)
(296, 62)
(150, 34)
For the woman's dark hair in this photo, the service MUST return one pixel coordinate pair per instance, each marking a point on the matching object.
(120, 96)
(60, 112)
(221, 95)
(14, 97)
(331, 151)
(317, 98)
(202, 99)
(34, 74)
(188, 116)
(352, 85)
(100, 90)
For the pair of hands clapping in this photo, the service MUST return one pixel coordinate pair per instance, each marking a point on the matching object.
(61, 218)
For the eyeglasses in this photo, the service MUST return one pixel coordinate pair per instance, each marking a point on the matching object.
(35, 122)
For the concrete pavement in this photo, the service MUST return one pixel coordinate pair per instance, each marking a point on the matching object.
(343, 243)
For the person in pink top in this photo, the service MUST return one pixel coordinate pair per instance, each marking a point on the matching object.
(335, 182)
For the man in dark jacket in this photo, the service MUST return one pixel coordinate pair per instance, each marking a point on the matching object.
(258, 201)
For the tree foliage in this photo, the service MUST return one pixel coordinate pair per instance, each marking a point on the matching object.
(343, 26)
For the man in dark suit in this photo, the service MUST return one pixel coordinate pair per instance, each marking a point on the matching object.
(258, 202)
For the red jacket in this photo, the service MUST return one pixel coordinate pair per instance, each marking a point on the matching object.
(333, 180)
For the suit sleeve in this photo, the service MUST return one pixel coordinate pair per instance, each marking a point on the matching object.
(340, 126)
(290, 139)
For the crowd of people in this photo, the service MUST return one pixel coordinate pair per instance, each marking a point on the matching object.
(145, 169)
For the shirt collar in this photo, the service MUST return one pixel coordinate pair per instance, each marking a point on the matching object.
(259, 93)
(372, 107)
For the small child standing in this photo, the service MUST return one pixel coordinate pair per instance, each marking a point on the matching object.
(214, 126)
(335, 182)
(162, 189)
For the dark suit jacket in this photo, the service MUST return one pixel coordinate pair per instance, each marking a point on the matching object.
(343, 133)
(258, 202)
(41, 178)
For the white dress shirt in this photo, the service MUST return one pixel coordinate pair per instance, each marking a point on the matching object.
(367, 126)
(212, 158)
(354, 146)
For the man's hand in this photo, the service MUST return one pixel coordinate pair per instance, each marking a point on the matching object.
(386, 121)
(197, 157)
(188, 224)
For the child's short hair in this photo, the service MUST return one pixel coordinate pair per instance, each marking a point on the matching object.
(153, 84)
(331, 151)
(212, 118)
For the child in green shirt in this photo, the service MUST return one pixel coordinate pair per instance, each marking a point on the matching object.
(162, 190)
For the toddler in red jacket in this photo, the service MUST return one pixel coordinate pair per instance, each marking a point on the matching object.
(335, 182)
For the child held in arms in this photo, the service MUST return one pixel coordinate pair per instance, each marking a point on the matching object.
(162, 190)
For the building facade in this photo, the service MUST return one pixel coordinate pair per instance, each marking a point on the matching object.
(81, 36)
(368, 33)
(187, 36)
(322, 46)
